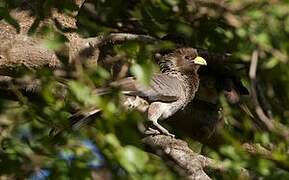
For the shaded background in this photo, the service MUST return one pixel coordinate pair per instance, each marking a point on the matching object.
(111, 146)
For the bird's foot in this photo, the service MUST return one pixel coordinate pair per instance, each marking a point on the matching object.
(162, 129)
(151, 131)
(169, 134)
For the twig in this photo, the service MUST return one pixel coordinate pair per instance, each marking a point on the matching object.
(252, 74)
(258, 150)
(270, 124)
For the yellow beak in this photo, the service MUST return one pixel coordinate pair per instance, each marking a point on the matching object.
(199, 60)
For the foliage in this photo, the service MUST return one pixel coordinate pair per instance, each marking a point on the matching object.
(112, 143)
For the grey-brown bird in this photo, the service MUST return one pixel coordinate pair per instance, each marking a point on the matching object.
(169, 91)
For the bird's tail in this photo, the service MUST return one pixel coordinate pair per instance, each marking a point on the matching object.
(76, 121)
(82, 118)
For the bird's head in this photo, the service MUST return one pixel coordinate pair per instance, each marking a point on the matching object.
(184, 60)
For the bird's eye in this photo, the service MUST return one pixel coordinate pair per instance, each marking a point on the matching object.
(188, 58)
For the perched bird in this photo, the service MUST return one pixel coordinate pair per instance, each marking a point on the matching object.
(221, 74)
(169, 91)
(202, 119)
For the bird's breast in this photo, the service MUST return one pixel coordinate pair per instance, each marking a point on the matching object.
(190, 89)
(168, 109)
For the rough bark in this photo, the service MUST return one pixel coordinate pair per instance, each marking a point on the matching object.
(190, 165)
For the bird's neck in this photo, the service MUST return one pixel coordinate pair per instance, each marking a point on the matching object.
(182, 76)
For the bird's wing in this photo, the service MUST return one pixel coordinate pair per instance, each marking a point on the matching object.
(162, 88)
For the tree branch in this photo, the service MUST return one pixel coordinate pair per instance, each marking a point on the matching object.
(117, 38)
(192, 164)
(271, 125)
(258, 150)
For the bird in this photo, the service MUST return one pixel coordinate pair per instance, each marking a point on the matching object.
(169, 91)
(221, 72)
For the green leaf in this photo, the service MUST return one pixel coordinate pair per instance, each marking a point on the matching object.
(133, 159)
(143, 72)
(83, 93)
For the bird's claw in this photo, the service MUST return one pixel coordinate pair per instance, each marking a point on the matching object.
(169, 134)
(151, 131)
(162, 129)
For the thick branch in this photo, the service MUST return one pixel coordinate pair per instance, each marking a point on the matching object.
(181, 154)
(117, 38)
(191, 163)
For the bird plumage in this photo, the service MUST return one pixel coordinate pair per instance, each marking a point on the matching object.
(169, 91)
